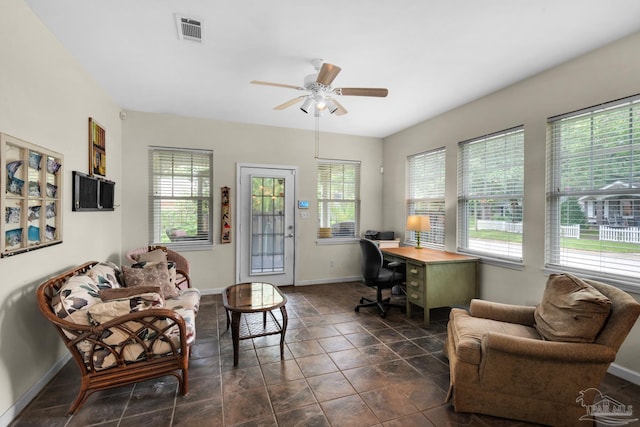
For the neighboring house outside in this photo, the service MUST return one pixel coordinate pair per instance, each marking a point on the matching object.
(612, 210)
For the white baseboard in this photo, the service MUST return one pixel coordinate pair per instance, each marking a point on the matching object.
(624, 373)
(15, 409)
(217, 291)
(326, 281)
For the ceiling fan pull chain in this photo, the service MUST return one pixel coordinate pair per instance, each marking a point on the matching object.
(317, 137)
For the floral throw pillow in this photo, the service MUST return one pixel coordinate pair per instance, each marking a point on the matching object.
(151, 274)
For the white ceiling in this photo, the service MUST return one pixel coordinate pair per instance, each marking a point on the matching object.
(432, 55)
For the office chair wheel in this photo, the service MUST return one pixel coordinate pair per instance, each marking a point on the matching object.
(383, 314)
(357, 309)
(361, 300)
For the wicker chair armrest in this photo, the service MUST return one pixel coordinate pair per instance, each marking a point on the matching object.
(185, 278)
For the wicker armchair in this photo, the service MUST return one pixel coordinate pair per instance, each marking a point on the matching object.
(182, 264)
(120, 348)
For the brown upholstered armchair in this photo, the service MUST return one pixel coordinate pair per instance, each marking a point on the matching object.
(502, 364)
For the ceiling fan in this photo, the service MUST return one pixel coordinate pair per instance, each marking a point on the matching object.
(320, 94)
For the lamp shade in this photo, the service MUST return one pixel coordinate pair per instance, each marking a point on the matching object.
(418, 223)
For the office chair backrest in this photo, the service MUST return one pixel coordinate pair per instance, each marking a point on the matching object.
(371, 259)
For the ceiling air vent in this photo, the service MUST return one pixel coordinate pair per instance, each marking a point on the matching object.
(189, 28)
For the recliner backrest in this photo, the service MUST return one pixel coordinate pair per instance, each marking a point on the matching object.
(371, 259)
(624, 312)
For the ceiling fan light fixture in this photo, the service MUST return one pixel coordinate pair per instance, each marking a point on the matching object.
(306, 105)
(321, 101)
(331, 106)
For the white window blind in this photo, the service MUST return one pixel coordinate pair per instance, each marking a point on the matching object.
(490, 190)
(180, 197)
(338, 199)
(593, 199)
(425, 188)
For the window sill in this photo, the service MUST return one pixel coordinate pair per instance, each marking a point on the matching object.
(188, 247)
(498, 262)
(337, 241)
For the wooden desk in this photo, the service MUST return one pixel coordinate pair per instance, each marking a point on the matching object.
(436, 278)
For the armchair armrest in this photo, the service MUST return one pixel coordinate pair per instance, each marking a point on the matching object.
(569, 352)
(520, 314)
(525, 367)
(184, 279)
(143, 335)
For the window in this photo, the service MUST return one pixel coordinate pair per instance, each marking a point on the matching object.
(490, 189)
(593, 199)
(180, 197)
(425, 188)
(338, 199)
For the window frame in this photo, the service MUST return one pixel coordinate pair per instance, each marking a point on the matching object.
(425, 199)
(203, 239)
(620, 274)
(466, 195)
(322, 202)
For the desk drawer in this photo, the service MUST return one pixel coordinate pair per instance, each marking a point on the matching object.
(415, 270)
(415, 283)
(415, 296)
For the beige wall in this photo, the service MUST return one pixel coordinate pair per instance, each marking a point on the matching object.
(603, 75)
(46, 99)
(234, 143)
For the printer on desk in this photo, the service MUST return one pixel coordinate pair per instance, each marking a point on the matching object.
(384, 239)
(379, 235)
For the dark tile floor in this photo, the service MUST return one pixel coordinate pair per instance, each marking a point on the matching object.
(341, 368)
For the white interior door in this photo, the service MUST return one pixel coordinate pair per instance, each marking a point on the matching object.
(266, 232)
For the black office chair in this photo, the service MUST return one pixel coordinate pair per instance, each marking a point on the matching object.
(378, 275)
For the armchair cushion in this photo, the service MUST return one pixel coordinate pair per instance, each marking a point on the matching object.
(156, 255)
(112, 309)
(75, 296)
(571, 310)
(120, 293)
(105, 274)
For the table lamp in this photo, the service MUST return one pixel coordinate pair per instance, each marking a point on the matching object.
(418, 223)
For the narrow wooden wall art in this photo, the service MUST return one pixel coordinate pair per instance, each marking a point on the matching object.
(225, 233)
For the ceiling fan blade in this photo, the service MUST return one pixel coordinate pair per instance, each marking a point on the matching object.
(362, 91)
(258, 82)
(327, 73)
(289, 103)
(341, 111)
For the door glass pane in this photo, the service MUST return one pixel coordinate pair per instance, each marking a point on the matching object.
(267, 225)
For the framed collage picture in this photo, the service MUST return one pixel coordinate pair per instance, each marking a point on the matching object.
(31, 197)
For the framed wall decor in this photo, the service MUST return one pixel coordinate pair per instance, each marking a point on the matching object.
(225, 233)
(97, 149)
(31, 196)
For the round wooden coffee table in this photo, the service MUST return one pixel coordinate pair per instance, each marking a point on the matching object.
(251, 298)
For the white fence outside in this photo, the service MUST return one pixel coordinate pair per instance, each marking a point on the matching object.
(611, 234)
(626, 234)
(509, 227)
(570, 231)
